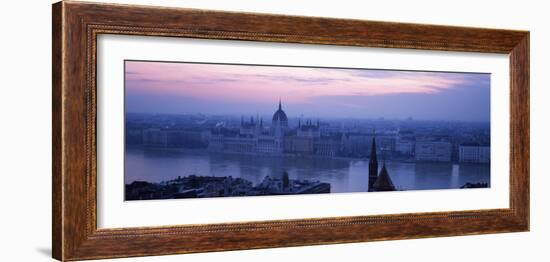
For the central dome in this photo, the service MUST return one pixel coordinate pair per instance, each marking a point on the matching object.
(280, 114)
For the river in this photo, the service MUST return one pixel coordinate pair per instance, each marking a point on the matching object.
(344, 175)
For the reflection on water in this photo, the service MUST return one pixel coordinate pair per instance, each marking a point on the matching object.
(344, 175)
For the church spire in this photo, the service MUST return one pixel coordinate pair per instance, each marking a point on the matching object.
(373, 151)
(373, 165)
(373, 147)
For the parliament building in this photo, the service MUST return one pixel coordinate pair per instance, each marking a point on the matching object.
(254, 137)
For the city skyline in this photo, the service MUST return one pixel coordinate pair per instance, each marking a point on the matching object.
(222, 89)
(224, 130)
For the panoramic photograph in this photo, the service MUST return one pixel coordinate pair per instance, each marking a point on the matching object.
(202, 130)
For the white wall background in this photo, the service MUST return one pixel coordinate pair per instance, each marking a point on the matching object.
(25, 147)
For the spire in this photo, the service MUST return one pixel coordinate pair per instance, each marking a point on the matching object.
(373, 150)
(373, 166)
(383, 181)
(280, 106)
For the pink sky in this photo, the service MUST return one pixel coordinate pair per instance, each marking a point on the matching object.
(293, 84)
(299, 86)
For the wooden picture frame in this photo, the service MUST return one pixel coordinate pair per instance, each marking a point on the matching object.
(76, 26)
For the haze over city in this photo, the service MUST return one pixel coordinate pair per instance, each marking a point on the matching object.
(220, 130)
(184, 88)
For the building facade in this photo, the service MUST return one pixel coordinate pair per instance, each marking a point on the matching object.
(433, 150)
(474, 153)
(253, 137)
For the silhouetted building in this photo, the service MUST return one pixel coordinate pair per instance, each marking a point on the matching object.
(383, 182)
(373, 165)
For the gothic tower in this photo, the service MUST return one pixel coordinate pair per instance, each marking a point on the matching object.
(373, 166)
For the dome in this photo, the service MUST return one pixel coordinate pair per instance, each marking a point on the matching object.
(280, 114)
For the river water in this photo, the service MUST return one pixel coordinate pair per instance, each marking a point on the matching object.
(344, 175)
